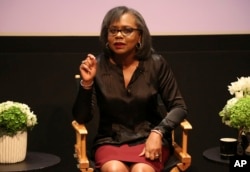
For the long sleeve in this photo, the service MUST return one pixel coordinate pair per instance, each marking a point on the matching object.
(172, 120)
(82, 107)
(172, 99)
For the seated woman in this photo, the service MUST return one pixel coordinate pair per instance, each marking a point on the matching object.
(124, 83)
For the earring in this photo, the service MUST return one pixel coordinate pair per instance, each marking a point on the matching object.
(107, 45)
(138, 45)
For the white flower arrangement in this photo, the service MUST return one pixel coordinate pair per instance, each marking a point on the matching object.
(236, 113)
(14, 117)
(240, 88)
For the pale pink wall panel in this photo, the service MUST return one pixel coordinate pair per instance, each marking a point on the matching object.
(164, 17)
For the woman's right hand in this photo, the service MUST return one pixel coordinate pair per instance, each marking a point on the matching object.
(88, 69)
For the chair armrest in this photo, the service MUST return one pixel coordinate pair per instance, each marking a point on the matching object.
(181, 151)
(80, 147)
(80, 128)
(186, 125)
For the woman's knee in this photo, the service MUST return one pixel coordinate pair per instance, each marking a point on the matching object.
(114, 166)
(142, 167)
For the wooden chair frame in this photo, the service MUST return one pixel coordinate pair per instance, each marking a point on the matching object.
(180, 151)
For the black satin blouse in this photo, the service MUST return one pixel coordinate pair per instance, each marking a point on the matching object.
(127, 115)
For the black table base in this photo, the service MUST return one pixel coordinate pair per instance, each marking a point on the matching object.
(213, 154)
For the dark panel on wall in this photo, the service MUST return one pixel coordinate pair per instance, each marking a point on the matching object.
(91, 43)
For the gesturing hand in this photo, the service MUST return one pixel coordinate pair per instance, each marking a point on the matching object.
(88, 69)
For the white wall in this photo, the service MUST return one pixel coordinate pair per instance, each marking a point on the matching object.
(84, 17)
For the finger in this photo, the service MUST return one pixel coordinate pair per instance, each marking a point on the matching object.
(85, 73)
(93, 61)
(158, 156)
(90, 61)
(91, 56)
(88, 64)
(152, 157)
(85, 66)
(142, 153)
(147, 154)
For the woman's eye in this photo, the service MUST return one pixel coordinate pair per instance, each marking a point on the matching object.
(112, 30)
(127, 30)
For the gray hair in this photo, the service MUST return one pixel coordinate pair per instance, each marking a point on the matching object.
(114, 15)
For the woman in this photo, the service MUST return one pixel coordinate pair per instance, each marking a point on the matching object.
(124, 83)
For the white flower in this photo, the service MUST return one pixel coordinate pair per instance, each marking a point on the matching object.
(236, 111)
(240, 87)
(231, 102)
(31, 117)
(31, 120)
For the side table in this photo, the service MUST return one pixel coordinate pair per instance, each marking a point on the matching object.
(33, 161)
(213, 154)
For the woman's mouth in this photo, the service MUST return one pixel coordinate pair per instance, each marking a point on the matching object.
(119, 45)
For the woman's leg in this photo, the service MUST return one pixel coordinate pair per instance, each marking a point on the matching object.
(114, 166)
(141, 167)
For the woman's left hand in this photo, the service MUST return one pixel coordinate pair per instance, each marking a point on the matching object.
(153, 146)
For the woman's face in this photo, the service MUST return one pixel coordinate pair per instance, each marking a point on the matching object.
(123, 35)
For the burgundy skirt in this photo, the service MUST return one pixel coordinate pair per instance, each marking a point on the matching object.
(128, 154)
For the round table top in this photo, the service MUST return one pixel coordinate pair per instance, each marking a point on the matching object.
(213, 154)
(33, 161)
